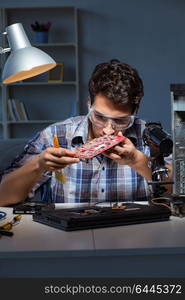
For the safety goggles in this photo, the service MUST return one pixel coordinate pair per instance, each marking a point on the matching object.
(101, 120)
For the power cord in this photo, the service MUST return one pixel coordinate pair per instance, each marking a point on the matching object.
(2, 215)
(153, 201)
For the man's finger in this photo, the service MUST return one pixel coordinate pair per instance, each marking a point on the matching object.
(114, 156)
(62, 152)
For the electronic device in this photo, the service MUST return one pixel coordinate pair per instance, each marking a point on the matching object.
(70, 219)
(178, 133)
(29, 207)
(160, 142)
(98, 145)
(161, 145)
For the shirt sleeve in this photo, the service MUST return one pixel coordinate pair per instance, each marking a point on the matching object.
(168, 159)
(35, 146)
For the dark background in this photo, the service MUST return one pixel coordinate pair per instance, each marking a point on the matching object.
(149, 35)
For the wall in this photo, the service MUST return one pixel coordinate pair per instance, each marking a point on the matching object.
(146, 34)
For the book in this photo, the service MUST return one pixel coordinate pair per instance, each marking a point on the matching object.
(16, 110)
(11, 113)
(24, 112)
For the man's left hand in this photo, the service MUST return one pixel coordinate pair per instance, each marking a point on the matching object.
(124, 154)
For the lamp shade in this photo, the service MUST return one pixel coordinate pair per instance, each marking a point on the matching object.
(24, 61)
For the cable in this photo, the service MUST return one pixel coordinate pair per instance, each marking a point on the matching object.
(163, 204)
(2, 215)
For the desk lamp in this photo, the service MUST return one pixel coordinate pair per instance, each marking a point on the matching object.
(24, 60)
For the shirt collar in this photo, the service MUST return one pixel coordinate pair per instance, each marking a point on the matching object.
(81, 133)
(131, 132)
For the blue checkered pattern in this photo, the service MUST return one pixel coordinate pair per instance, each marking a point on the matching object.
(97, 179)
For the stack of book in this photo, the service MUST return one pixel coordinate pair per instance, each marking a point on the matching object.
(16, 110)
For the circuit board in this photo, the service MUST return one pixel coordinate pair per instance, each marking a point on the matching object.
(98, 145)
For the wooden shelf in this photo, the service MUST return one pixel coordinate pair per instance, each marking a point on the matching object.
(55, 45)
(42, 105)
(32, 122)
(44, 83)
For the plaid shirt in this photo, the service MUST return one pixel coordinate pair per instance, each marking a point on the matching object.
(97, 179)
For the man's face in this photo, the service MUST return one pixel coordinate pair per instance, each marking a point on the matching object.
(101, 125)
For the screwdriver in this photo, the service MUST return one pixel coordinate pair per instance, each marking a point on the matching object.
(8, 226)
(7, 233)
(59, 175)
(5, 229)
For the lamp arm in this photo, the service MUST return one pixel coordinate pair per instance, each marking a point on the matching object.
(4, 50)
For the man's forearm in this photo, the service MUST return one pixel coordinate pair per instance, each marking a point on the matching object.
(15, 186)
(141, 165)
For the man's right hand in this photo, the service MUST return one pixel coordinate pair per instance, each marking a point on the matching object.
(16, 185)
(54, 159)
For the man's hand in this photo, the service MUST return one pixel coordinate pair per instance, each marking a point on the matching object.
(127, 154)
(53, 159)
(124, 154)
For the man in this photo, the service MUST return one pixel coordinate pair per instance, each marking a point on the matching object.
(115, 90)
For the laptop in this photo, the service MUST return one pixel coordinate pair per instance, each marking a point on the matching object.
(81, 218)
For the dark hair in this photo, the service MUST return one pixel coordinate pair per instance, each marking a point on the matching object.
(117, 81)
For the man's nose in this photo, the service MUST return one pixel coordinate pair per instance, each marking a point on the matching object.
(109, 130)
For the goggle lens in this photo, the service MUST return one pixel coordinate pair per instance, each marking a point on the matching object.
(102, 120)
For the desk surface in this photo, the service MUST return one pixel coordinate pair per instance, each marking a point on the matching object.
(35, 240)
